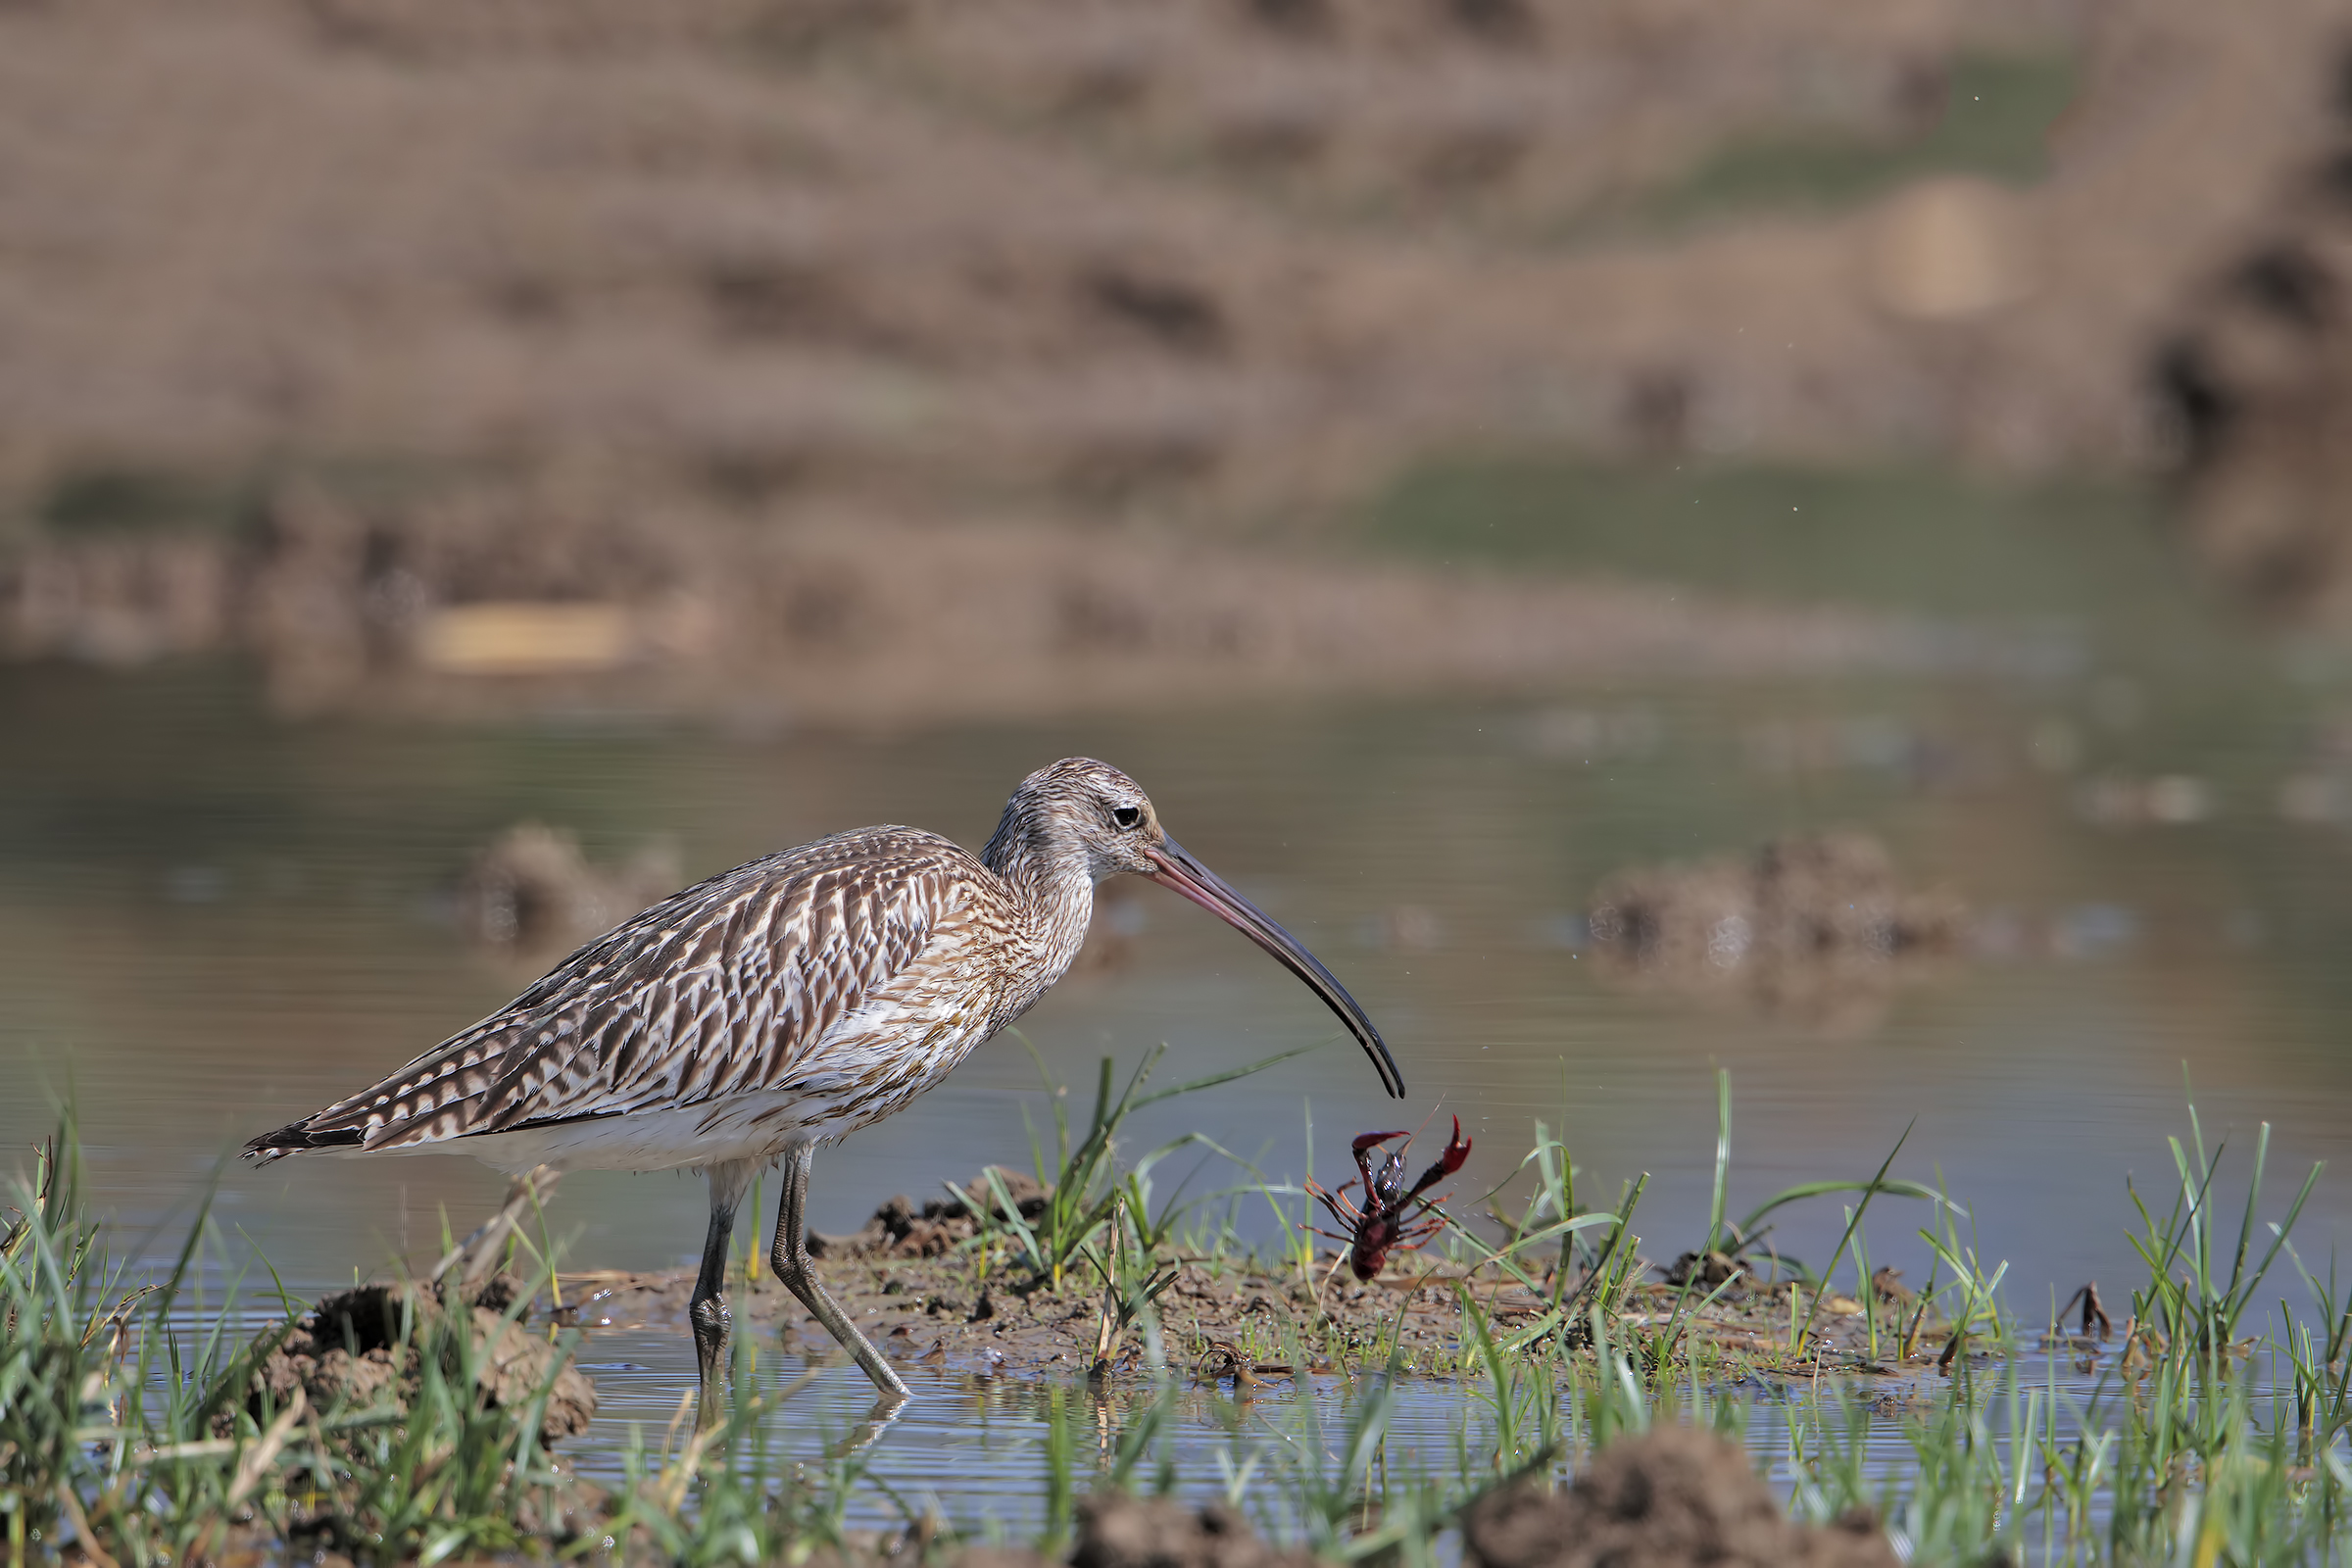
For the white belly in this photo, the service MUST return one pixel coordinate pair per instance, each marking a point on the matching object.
(754, 1127)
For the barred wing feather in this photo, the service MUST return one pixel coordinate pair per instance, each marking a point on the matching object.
(724, 989)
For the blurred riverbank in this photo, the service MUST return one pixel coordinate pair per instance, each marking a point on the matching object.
(778, 361)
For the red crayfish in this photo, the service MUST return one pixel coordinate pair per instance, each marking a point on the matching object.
(1394, 1215)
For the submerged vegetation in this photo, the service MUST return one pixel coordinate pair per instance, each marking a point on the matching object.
(141, 1424)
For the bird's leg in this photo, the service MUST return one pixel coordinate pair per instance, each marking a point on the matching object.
(708, 1310)
(789, 1257)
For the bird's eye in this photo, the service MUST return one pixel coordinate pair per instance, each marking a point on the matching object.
(1126, 816)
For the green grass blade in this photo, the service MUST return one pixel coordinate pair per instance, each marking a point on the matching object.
(1897, 1187)
(1227, 1076)
(1870, 1191)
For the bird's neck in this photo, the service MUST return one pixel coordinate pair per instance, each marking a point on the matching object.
(1050, 880)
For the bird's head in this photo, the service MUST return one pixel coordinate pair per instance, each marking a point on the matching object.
(1081, 809)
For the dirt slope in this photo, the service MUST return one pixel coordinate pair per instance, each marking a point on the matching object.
(799, 269)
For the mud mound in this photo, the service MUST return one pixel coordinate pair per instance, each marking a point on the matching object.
(1813, 926)
(351, 1350)
(901, 1229)
(1669, 1497)
(1117, 1531)
(531, 890)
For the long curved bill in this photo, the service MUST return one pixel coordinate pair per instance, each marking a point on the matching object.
(1177, 869)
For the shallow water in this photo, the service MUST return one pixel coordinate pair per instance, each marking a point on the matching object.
(970, 1446)
(211, 921)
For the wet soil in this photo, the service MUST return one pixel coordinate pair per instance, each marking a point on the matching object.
(1668, 1497)
(359, 1347)
(1672, 1498)
(922, 1294)
(1665, 1498)
(930, 1290)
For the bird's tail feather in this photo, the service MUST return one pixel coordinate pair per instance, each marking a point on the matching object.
(295, 1137)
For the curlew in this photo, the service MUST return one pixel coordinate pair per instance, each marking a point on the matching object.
(785, 1003)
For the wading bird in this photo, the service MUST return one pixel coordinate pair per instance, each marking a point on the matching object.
(787, 1002)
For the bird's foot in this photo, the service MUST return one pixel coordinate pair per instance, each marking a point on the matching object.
(712, 1323)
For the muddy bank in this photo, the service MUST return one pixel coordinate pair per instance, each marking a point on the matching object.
(536, 602)
(904, 356)
(1668, 1496)
(910, 1280)
(1228, 1323)
(1237, 253)
(933, 1291)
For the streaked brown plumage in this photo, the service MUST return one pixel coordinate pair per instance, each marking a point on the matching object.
(786, 1003)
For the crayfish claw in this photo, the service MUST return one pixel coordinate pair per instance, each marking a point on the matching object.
(1457, 1149)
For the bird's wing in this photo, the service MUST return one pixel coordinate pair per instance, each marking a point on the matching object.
(717, 991)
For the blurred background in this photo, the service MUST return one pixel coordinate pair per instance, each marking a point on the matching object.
(1808, 539)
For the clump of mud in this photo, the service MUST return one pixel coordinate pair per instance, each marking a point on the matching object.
(1665, 1498)
(1813, 926)
(361, 1347)
(531, 889)
(900, 1228)
(1117, 1531)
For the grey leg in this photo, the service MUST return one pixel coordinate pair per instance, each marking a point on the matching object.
(708, 1310)
(789, 1257)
